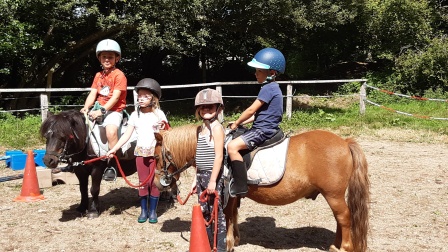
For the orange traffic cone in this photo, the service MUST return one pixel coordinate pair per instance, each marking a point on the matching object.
(198, 234)
(30, 186)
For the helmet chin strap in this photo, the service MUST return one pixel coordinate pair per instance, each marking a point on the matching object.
(140, 107)
(269, 79)
(207, 122)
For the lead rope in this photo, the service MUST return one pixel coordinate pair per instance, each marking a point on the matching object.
(119, 169)
(214, 215)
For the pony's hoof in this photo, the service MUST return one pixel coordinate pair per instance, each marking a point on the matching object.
(333, 249)
(92, 215)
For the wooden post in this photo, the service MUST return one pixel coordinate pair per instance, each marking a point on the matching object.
(135, 95)
(44, 106)
(219, 89)
(362, 98)
(289, 101)
(44, 97)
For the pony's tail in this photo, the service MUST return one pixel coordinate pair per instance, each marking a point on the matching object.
(359, 197)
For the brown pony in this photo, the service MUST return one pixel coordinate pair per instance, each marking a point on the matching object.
(318, 162)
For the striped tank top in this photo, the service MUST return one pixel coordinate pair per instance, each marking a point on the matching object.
(205, 152)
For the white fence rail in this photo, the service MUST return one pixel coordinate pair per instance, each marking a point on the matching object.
(44, 92)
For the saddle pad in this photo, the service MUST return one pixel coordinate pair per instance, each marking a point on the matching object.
(98, 140)
(268, 165)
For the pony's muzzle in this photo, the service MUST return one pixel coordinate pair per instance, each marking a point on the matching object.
(166, 180)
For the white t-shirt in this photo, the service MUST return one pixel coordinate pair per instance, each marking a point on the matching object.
(143, 124)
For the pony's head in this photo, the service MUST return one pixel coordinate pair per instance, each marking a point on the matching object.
(175, 152)
(65, 135)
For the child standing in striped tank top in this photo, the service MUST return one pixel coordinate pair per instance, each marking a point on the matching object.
(209, 160)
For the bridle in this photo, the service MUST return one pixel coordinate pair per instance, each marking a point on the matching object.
(63, 156)
(167, 160)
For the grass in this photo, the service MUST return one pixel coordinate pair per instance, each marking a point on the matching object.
(340, 115)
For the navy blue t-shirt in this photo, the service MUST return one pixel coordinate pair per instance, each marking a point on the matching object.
(269, 116)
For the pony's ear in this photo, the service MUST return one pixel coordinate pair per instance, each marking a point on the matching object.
(159, 137)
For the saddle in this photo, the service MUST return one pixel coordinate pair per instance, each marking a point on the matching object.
(98, 139)
(266, 163)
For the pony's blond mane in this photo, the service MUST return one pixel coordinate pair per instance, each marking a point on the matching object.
(181, 142)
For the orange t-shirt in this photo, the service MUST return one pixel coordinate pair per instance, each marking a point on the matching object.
(107, 83)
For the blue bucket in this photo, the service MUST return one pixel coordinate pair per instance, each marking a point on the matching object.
(11, 153)
(39, 157)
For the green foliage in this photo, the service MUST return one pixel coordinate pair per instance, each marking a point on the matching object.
(349, 88)
(16, 133)
(418, 71)
(396, 24)
(321, 113)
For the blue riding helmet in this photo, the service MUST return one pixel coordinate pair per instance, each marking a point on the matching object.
(269, 58)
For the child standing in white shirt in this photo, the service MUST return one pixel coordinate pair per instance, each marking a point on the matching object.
(145, 120)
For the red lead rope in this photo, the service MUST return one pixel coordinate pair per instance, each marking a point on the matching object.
(214, 215)
(121, 171)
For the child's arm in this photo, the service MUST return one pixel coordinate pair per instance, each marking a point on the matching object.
(218, 139)
(113, 100)
(247, 114)
(123, 139)
(194, 184)
(89, 100)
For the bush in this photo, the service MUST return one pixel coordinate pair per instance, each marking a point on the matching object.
(418, 71)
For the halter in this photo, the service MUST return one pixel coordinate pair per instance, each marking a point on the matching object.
(167, 161)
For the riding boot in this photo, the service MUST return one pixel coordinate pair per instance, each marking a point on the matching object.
(239, 185)
(144, 207)
(153, 201)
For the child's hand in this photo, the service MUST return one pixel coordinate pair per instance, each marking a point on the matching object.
(95, 114)
(164, 125)
(110, 154)
(232, 125)
(211, 187)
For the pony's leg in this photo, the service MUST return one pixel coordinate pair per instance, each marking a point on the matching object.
(97, 175)
(83, 179)
(341, 213)
(231, 213)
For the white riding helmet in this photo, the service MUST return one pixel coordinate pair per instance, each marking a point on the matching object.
(108, 45)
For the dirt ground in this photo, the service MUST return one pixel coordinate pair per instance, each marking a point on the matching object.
(409, 211)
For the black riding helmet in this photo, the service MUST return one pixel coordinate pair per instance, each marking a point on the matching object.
(150, 84)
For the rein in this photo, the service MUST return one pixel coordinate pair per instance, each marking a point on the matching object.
(119, 168)
(214, 214)
(166, 177)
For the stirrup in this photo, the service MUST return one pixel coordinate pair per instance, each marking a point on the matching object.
(240, 194)
(110, 174)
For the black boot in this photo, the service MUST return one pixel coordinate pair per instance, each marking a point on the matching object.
(238, 185)
(144, 207)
